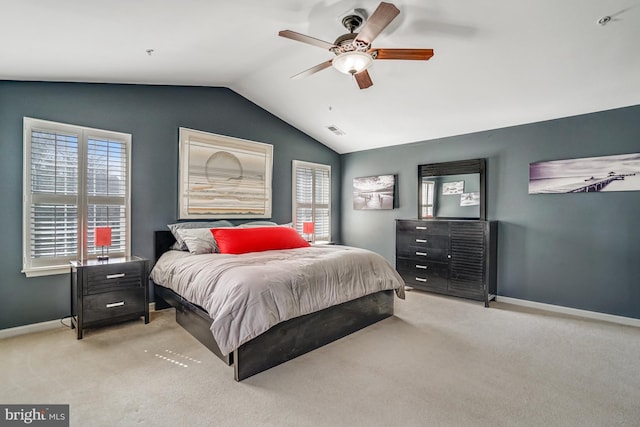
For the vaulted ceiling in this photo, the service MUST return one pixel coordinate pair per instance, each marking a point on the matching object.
(497, 63)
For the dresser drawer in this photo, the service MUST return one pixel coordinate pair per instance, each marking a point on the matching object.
(421, 274)
(425, 281)
(419, 268)
(422, 228)
(113, 304)
(105, 278)
(412, 242)
(424, 254)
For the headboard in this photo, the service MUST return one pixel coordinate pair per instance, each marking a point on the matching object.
(162, 241)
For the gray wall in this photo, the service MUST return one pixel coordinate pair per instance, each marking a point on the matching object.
(152, 114)
(574, 250)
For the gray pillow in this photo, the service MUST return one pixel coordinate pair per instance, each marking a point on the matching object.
(198, 240)
(194, 224)
(257, 224)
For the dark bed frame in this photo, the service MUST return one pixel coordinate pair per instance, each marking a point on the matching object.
(284, 341)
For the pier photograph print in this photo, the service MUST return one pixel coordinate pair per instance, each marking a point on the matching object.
(374, 192)
(606, 173)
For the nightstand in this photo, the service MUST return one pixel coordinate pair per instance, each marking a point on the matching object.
(106, 292)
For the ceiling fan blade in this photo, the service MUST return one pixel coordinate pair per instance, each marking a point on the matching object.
(378, 21)
(305, 39)
(364, 79)
(415, 54)
(313, 70)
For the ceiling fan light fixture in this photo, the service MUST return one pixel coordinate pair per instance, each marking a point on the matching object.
(352, 62)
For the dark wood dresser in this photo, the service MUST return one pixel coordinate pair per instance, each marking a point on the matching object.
(452, 257)
(106, 292)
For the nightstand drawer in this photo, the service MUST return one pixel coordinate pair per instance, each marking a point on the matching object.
(105, 278)
(113, 304)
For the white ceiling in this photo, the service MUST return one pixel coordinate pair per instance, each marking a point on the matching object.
(497, 63)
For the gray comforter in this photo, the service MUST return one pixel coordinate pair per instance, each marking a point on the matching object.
(249, 293)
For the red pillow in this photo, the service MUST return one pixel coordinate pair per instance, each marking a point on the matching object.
(257, 239)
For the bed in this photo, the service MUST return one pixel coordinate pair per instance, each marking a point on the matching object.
(295, 325)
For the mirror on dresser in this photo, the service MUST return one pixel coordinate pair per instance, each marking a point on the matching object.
(452, 190)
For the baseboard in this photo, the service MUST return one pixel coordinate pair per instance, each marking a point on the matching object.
(29, 329)
(628, 321)
(42, 326)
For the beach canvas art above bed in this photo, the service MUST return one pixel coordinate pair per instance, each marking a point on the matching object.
(590, 174)
(223, 177)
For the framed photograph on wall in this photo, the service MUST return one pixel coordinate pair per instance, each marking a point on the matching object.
(620, 172)
(374, 192)
(223, 177)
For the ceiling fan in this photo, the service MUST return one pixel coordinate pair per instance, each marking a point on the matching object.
(353, 51)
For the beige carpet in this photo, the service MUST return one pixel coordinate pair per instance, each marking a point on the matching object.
(439, 362)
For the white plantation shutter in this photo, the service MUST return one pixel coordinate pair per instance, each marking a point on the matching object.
(74, 180)
(312, 198)
(107, 190)
(53, 190)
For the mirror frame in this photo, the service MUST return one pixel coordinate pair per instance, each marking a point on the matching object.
(459, 167)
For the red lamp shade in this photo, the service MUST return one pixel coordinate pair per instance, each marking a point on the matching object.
(102, 236)
(307, 227)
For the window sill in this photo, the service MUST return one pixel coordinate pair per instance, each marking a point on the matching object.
(47, 271)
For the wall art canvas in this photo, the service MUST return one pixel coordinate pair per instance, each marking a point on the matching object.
(607, 173)
(223, 177)
(374, 192)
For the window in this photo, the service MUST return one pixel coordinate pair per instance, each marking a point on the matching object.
(75, 179)
(426, 204)
(312, 198)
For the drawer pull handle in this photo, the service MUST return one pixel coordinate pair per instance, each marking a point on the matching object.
(420, 279)
(115, 304)
(115, 276)
(421, 253)
(424, 267)
(418, 227)
(421, 240)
